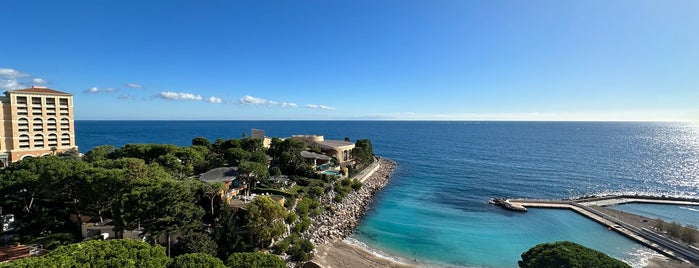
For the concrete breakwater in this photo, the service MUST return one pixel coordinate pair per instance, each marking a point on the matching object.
(338, 221)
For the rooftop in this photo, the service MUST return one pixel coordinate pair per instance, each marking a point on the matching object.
(312, 155)
(39, 90)
(220, 174)
(334, 143)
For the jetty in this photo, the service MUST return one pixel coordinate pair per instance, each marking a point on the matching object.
(636, 227)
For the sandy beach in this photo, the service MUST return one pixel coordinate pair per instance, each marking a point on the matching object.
(339, 254)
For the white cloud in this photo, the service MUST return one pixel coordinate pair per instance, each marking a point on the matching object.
(316, 106)
(100, 90)
(134, 85)
(214, 100)
(11, 79)
(169, 95)
(250, 100)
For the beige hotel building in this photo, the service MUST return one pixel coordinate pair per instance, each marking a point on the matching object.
(37, 121)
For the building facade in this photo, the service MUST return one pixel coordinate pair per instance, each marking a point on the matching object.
(37, 121)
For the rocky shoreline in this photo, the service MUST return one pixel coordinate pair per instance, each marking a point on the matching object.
(338, 221)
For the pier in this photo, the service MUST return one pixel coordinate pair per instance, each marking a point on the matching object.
(636, 227)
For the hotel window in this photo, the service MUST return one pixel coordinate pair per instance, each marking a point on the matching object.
(23, 125)
(38, 124)
(36, 101)
(53, 140)
(63, 103)
(65, 124)
(51, 124)
(345, 156)
(65, 139)
(21, 101)
(24, 141)
(39, 141)
(50, 102)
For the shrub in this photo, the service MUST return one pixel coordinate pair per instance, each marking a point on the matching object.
(196, 260)
(255, 259)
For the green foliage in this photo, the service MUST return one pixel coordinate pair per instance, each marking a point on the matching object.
(98, 253)
(196, 260)
(234, 156)
(688, 234)
(265, 221)
(356, 185)
(566, 254)
(297, 248)
(363, 152)
(308, 206)
(196, 242)
(251, 172)
(286, 155)
(201, 141)
(316, 192)
(256, 259)
(161, 208)
(98, 153)
(252, 145)
(227, 234)
(275, 171)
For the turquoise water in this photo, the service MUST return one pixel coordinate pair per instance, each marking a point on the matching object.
(483, 239)
(436, 203)
(685, 215)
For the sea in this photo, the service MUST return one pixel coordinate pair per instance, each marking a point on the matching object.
(435, 211)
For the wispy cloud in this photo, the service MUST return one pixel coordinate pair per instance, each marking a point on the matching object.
(126, 97)
(134, 85)
(100, 90)
(170, 95)
(250, 100)
(11, 79)
(316, 106)
(38, 81)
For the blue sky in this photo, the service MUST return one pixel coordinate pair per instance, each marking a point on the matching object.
(359, 60)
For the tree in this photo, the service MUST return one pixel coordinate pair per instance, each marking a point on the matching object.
(566, 254)
(201, 141)
(234, 156)
(211, 190)
(251, 172)
(265, 221)
(161, 208)
(98, 253)
(252, 145)
(256, 259)
(196, 260)
(99, 153)
(227, 234)
(196, 242)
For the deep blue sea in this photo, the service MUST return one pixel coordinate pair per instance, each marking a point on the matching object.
(434, 211)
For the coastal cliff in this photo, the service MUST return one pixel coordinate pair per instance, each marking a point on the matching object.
(339, 220)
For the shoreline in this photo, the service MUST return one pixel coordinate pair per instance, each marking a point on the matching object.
(330, 228)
